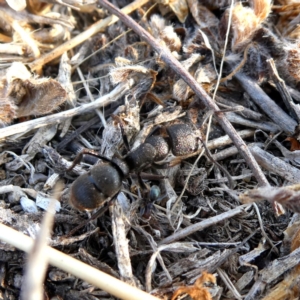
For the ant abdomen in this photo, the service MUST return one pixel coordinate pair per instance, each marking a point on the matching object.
(182, 139)
(93, 189)
(161, 146)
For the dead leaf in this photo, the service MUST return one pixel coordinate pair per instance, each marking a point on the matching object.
(199, 290)
(295, 144)
(287, 196)
(23, 96)
(42, 97)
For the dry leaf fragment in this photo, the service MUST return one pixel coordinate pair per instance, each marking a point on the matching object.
(199, 290)
(164, 33)
(180, 9)
(22, 95)
(295, 144)
(245, 21)
(7, 112)
(287, 196)
(42, 97)
(202, 15)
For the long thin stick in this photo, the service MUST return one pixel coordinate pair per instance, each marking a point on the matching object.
(182, 233)
(71, 265)
(167, 56)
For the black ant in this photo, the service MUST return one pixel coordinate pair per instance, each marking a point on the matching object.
(104, 181)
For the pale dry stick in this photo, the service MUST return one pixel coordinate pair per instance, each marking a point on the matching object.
(27, 39)
(233, 151)
(12, 49)
(221, 69)
(223, 56)
(167, 57)
(121, 244)
(223, 275)
(182, 233)
(281, 87)
(225, 179)
(246, 112)
(263, 233)
(78, 39)
(225, 140)
(262, 125)
(71, 265)
(35, 273)
(24, 127)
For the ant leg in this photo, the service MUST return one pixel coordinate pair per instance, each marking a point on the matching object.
(79, 157)
(96, 215)
(142, 184)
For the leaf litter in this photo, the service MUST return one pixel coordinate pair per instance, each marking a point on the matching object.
(199, 235)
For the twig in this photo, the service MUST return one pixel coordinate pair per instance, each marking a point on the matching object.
(121, 244)
(71, 265)
(223, 141)
(225, 278)
(246, 112)
(24, 127)
(271, 109)
(263, 125)
(281, 87)
(76, 133)
(272, 272)
(90, 96)
(166, 56)
(203, 224)
(275, 164)
(78, 39)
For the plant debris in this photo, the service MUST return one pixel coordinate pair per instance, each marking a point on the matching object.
(155, 141)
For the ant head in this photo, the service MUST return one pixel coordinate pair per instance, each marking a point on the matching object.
(93, 189)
